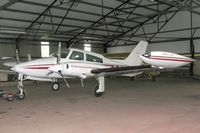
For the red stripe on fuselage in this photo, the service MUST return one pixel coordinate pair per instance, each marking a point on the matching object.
(46, 66)
(41, 66)
(36, 67)
(171, 59)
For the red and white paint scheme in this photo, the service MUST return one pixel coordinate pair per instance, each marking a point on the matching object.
(162, 59)
(75, 63)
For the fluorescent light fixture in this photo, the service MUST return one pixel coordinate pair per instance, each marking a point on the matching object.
(44, 51)
(46, 43)
(87, 47)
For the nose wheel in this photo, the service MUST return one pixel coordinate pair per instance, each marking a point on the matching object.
(20, 95)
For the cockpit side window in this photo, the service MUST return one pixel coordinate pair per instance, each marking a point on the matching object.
(64, 54)
(77, 55)
(92, 58)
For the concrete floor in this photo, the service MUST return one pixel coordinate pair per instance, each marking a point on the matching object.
(169, 105)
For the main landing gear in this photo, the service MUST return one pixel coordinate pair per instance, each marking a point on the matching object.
(100, 89)
(55, 86)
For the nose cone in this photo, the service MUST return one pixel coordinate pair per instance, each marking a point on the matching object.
(192, 60)
(17, 68)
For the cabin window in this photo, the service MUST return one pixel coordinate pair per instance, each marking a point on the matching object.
(77, 55)
(92, 58)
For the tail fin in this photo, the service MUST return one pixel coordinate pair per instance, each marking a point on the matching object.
(133, 59)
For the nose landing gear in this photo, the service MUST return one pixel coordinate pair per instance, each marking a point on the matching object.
(20, 95)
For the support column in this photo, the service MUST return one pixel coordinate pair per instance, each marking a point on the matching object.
(192, 51)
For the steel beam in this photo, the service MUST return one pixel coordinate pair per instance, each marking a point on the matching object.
(99, 19)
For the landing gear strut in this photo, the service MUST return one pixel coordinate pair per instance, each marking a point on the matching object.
(20, 95)
(100, 89)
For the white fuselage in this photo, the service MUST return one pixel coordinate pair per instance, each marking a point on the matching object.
(78, 63)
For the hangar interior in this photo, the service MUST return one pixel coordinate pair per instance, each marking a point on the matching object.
(112, 28)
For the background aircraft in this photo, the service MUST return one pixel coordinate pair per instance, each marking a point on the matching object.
(81, 64)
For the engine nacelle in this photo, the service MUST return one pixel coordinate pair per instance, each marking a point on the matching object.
(73, 71)
(66, 70)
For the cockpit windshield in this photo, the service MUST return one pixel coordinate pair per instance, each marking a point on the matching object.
(64, 54)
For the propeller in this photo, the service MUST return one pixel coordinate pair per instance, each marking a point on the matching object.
(17, 56)
(59, 53)
(64, 79)
(57, 68)
(82, 83)
(29, 57)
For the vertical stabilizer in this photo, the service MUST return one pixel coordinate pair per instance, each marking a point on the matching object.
(133, 59)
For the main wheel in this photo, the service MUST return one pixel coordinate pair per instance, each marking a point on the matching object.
(20, 96)
(55, 86)
(98, 94)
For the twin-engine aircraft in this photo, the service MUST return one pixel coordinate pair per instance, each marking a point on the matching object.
(81, 64)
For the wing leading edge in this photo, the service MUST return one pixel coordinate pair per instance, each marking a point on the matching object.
(131, 69)
(122, 70)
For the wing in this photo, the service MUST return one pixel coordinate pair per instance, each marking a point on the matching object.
(131, 69)
(123, 70)
(10, 64)
(7, 71)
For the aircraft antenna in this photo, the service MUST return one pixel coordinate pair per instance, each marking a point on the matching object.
(72, 44)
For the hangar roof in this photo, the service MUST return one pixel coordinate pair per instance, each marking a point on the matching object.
(105, 22)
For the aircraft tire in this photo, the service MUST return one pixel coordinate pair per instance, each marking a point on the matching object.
(98, 94)
(20, 97)
(55, 86)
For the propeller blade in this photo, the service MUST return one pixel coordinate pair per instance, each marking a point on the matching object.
(64, 79)
(29, 57)
(59, 53)
(82, 83)
(49, 73)
(6, 58)
(17, 56)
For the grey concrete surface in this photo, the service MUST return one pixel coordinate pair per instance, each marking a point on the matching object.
(169, 105)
